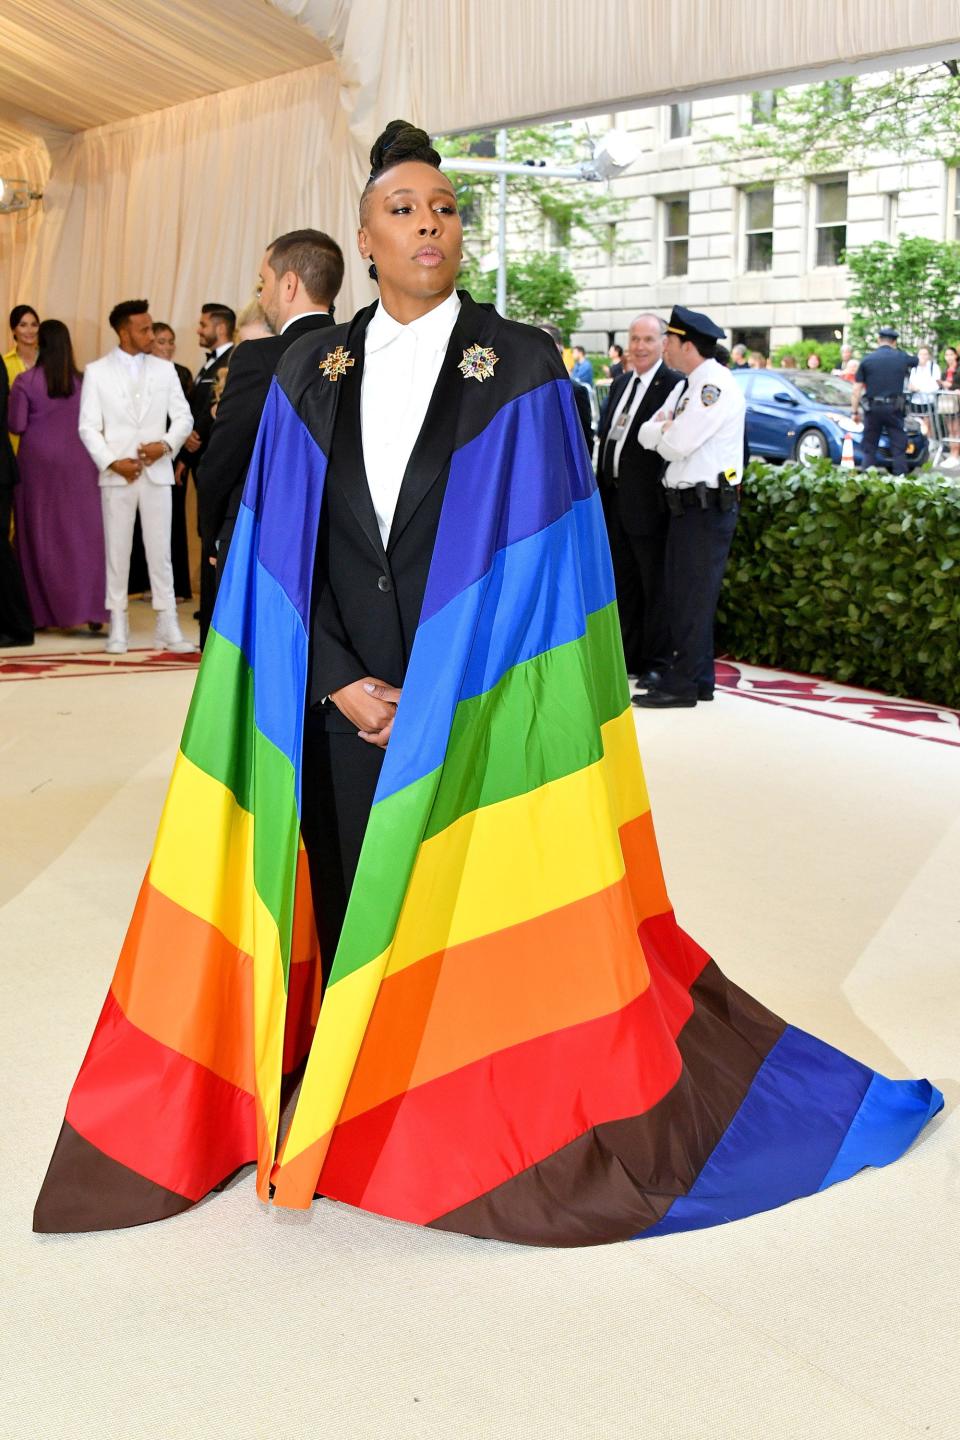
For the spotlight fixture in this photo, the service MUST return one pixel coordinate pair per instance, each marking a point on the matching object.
(17, 195)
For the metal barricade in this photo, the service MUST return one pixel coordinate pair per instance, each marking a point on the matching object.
(938, 415)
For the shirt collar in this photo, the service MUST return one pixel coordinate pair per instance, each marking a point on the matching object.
(648, 375)
(301, 316)
(432, 330)
(130, 360)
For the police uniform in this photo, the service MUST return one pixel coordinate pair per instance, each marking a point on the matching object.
(883, 374)
(700, 435)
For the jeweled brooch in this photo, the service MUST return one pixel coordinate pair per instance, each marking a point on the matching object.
(478, 363)
(337, 363)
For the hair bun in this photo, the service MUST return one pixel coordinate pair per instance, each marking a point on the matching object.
(401, 141)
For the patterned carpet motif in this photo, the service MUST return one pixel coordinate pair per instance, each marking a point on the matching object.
(70, 665)
(825, 698)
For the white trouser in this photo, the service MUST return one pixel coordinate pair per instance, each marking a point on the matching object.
(120, 505)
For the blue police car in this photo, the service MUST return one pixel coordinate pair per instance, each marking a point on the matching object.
(804, 415)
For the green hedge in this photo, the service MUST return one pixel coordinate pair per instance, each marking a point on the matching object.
(855, 577)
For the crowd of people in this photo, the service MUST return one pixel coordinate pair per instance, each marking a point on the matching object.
(95, 465)
(95, 470)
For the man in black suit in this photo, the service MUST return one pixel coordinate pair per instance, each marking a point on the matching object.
(630, 484)
(215, 330)
(300, 277)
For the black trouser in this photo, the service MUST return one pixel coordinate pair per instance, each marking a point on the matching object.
(884, 416)
(698, 543)
(16, 622)
(340, 774)
(638, 562)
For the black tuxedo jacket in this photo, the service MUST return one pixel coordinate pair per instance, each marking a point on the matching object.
(201, 400)
(636, 496)
(367, 599)
(221, 475)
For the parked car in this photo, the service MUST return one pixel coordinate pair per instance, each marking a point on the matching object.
(804, 415)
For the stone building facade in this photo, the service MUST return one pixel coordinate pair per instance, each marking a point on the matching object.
(763, 262)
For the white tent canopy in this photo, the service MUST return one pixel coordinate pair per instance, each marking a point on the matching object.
(174, 138)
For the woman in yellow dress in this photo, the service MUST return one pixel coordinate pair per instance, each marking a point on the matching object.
(22, 355)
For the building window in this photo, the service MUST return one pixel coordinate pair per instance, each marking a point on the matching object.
(558, 229)
(676, 233)
(839, 94)
(891, 209)
(763, 105)
(681, 117)
(754, 339)
(758, 228)
(831, 221)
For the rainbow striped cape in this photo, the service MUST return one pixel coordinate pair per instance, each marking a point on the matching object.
(517, 1039)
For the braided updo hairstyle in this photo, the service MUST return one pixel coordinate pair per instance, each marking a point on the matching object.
(398, 142)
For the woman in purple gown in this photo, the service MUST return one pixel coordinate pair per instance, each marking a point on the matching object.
(59, 530)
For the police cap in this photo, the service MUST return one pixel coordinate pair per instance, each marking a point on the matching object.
(888, 332)
(690, 324)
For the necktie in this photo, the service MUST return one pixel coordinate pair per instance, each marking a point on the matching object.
(211, 356)
(610, 445)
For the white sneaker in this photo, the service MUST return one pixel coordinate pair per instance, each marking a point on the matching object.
(169, 636)
(117, 639)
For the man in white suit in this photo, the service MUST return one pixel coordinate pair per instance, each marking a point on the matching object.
(133, 420)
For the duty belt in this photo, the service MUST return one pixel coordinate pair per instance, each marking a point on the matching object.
(700, 497)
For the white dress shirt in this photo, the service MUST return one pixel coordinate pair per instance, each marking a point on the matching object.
(133, 364)
(400, 369)
(622, 417)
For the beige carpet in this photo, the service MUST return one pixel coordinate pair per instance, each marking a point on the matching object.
(817, 861)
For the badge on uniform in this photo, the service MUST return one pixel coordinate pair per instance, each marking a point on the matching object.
(710, 394)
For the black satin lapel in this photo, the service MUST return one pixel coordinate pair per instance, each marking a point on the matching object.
(352, 480)
(437, 436)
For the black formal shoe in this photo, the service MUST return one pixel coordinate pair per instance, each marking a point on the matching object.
(10, 642)
(663, 700)
(704, 692)
(649, 679)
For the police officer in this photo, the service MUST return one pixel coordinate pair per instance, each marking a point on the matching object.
(699, 433)
(880, 381)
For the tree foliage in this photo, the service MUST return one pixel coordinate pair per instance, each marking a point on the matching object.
(846, 575)
(810, 129)
(572, 205)
(801, 350)
(914, 285)
(539, 288)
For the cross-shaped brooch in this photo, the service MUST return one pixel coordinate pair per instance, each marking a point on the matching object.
(337, 363)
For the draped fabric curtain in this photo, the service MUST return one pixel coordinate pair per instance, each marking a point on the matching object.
(20, 231)
(178, 206)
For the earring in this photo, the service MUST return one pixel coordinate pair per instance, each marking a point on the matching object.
(372, 270)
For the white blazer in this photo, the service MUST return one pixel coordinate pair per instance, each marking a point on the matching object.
(113, 422)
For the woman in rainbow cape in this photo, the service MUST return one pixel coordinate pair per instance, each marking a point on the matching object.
(502, 1030)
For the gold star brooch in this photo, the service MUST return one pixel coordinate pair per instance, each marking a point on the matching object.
(337, 363)
(478, 363)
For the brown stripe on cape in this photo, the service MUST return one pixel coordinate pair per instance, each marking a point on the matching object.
(86, 1190)
(620, 1178)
